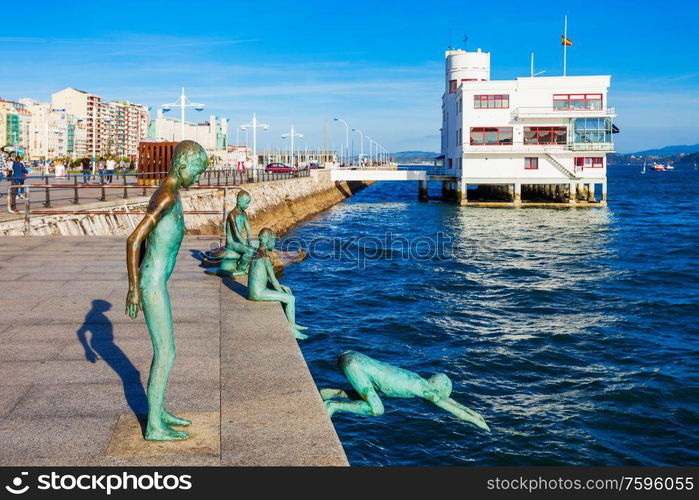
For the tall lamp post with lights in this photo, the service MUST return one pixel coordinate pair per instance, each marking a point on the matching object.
(183, 102)
(361, 144)
(347, 158)
(254, 125)
(292, 133)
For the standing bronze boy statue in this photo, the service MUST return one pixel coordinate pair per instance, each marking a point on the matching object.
(163, 229)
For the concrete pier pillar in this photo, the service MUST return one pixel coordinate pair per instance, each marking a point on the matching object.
(591, 193)
(581, 191)
(463, 193)
(445, 189)
(572, 193)
(422, 194)
(517, 193)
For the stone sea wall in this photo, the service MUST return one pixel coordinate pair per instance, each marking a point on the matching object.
(276, 204)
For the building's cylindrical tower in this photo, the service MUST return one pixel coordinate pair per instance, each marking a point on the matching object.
(466, 66)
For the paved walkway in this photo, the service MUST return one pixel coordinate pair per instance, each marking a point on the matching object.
(72, 365)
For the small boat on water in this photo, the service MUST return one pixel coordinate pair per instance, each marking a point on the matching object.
(643, 171)
(659, 167)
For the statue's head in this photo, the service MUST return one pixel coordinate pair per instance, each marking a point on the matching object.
(244, 199)
(267, 238)
(441, 384)
(188, 162)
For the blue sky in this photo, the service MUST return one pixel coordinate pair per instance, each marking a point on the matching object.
(378, 64)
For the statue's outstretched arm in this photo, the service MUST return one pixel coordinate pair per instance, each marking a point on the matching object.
(133, 248)
(247, 230)
(327, 394)
(462, 412)
(237, 231)
(273, 279)
(230, 232)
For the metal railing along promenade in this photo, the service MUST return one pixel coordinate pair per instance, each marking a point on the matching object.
(131, 186)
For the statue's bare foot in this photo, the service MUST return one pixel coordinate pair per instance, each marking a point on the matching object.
(170, 419)
(164, 434)
(298, 334)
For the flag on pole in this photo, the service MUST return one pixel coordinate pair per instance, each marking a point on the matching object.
(565, 41)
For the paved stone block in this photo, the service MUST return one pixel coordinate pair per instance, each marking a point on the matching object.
(204, 438)
(112, 398)
(10, 396)
(23, 439)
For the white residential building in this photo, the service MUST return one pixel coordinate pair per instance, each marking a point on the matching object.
(103, 128)
(126, 125)
(212, 135)
(550, 134)
(50, 131)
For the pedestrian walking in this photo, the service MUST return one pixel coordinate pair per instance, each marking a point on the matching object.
(101, 170)
(111, 166)
(85, 162)
(3, 168)
(19, 173)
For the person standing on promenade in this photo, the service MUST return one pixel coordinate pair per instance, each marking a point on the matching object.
(162, 229)
(19, 173)
(111, 165)
(85, 162)
(3, 168)
(101, 171)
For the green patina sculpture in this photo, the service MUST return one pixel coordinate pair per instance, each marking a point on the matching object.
(261, 274)
(162, 229)
(235, 256)
(369, 377)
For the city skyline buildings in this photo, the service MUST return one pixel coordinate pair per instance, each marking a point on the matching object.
(386, 84)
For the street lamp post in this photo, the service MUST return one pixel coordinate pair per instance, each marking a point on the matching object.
(347, 159)
(361, 144)
(292, 133)
(371, 150)
(182, 103)
(254, 124)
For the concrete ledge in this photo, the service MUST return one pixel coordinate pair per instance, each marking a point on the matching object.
(271, 411)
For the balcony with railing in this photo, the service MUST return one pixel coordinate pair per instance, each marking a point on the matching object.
(523, 112)
(521, 147)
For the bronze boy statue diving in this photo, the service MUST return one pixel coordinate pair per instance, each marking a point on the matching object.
(240, 246)
(261, 273)
(370, 377)
(162, 228)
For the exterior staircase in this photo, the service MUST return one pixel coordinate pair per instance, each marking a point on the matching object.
(561, 167)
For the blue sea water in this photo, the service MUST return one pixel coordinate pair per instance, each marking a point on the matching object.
(574, 332)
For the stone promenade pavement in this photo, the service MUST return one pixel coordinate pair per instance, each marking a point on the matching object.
(73, 366)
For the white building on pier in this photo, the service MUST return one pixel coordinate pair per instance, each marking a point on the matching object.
(533, 138)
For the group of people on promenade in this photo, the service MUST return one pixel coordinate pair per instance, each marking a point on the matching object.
(105, 169)
(15, 170)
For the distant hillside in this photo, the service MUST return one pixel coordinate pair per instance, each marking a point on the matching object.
(414, 156)
(643, 157)
(669, 150)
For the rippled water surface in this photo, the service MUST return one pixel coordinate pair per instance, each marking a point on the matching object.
(574, 332)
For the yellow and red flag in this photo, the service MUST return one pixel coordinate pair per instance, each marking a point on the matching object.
(565, 41)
